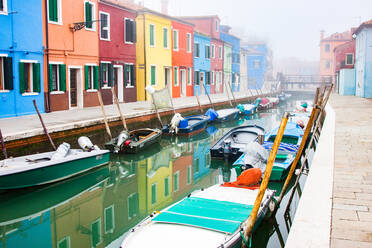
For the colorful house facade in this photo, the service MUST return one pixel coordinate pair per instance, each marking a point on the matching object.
(210, 25)
(256, 65)
(72, 58)
(154, 53)
(363, 60)
(182, 58)
(344, 68)
(235, 56)
(227, 64)
(117, 51)
(21, 58)
(243, 69)
(202, 63)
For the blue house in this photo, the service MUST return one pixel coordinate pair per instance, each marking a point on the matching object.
(256, 64)
(235, 42)
(363, 60)
(202, 159)
(21, 57)
(202, 63)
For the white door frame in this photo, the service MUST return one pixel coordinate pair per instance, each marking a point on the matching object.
(79, 86)
(183, 81)
(202, 82)
(168, 78)
(120, 83)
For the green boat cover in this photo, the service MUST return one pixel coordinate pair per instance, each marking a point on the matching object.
(222, 216)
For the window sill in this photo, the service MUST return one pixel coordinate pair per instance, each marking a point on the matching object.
(90, 29)
(91, 90)
(128, 42)
(106, 87)
(30, 94)
(57, 92)
(4, 91)
(56, 23)
(3, 13)
(108, 39)
(129, 86)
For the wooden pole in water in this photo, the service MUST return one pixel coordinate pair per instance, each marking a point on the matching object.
(118, 106)
(104, 114)
(43, 125)
(265, 181)
(206, 92)
(232, 94)
(227, 93)
(197, 98)
(156, 109)
(3, 148)
(171, 100)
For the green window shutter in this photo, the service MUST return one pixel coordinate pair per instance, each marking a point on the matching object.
(153, 74)
(95, 77)
(88, 15)
(86, 71)
(109, 214)
(125, 74)
(36, 77)
(101, 74)
(95, 233)
(22, 77)
(165, 38)
(133, 73)
(166, 186)
(50, 79)
(110, 75)
(53, 10)
(153, 194)
(152, 38)
(62, 78)
(8, 73)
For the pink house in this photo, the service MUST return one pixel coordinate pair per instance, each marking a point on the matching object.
(117, 51)
(344, 56)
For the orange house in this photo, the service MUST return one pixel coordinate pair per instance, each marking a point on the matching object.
(71, 54)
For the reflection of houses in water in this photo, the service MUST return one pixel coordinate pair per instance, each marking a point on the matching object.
(202, 158)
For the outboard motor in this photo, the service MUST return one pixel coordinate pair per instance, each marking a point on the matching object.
(61, 151)
(123, 136)
(86, 144)
(226, 147)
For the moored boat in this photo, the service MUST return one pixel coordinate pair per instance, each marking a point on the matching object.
(264, 103)
(222, 115)
(134, 141)
(231, 145)
(249, 109)
(187, 126)
(49, 167)
(273, 100)
(292, 134)
(213, 217)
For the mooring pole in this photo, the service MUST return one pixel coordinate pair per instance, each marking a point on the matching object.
(3, 148)
(227, 93)
(171, 100)
(43, 125)
(206, 92)
(104, 114)
(118, 106)
(197, 98)
(232, 94)
(265, 181)
(156, 109)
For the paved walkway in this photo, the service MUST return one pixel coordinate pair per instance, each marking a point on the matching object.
(28, 126)
(352, 186)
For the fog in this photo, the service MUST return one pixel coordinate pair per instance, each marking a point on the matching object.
(290, 27)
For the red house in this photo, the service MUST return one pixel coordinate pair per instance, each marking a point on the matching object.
(182, 58)
(344, 56)
(210, 25)
(117, 51)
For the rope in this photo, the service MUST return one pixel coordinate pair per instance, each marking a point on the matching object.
(245, 241)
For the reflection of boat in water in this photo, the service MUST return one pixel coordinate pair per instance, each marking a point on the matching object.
(21, 205)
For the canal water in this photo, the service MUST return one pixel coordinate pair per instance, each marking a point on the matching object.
(97, 209)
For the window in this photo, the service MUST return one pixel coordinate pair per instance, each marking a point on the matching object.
(220, 52)
(207, 52)
(6, 73)
(175, 76)
(327, 47)
(109, 219)
(196, 50)
(349, 59)
(130, 31)
(104, 26)
(153, 194)
(90, 16)
(175, 40)
(166, 186)
(213, 52)
(153, 74)
(256, 64)
(107, 74)
(165, 37)
(189, 76)
(152, 35)
(217, 26)
(91, 77)
(95, 229)
(3, 7)
(29, 77)
(65, 242)
(202, 79)
(212, 77)
(197, 78)
(188, 41)
(189, 174)
(129, 75)
(196, 165)
(208, 78)
(176, 181)
(328, 64)
(133, 205)
(57, 77)
(54, 11)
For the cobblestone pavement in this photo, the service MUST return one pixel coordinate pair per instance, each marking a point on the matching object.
(352, 187)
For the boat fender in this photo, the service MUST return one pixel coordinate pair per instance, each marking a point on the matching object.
(85, 143)
(122, 137)
(61, 151)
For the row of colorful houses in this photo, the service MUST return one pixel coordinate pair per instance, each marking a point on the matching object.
(347, 58)
(60, 53)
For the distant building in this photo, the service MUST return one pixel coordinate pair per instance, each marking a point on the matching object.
(21, 57)
(344, 68)
(202, 63)
(363, 59)
(256, 64)
(227, 63)
(243, 69)
(327, 45)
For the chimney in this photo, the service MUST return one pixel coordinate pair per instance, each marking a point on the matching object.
(322, 34)
(164, 7)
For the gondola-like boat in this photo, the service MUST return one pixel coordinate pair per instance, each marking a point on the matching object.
(231, 145)
(134, 141)
(188, 126)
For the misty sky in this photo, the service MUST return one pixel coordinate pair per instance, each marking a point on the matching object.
(291, 27)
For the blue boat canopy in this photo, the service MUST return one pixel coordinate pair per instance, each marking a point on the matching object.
(291, 130)
(221, 216)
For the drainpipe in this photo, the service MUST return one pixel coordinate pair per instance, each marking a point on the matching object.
(47, 55)
(144, 52)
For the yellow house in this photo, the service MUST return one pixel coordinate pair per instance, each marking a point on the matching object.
(153, 50)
